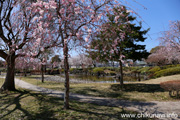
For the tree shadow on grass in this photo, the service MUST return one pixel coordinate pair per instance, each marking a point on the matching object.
(93, 91)
(109, 93)
(138, 87)
(13, 105)
(14, 101)
(109, 113)
(28, 105)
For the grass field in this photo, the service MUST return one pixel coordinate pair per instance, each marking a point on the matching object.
(139, 91)
(29, 105)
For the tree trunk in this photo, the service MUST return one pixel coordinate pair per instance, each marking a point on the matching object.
(9, 83)
(42, 73)
(139, 77)
(113, 63)
(25, 72)
(121, 73)
(45, 69)
(66, 84)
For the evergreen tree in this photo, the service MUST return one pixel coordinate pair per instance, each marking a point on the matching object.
(119, 39)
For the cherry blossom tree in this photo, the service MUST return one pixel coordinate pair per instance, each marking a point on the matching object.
(14, 29)
(81, 60)
(158, 56)
(23, 64)
(21, 34)
(43, 57)
(163, 55)
(76, 21)
(168, 51)
(170, 39)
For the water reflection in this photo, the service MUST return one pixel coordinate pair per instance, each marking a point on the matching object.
(100, 79)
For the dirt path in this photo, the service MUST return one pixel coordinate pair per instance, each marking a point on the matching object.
(154, 107)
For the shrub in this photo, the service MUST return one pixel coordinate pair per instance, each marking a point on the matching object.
(2, 69)
(144, 70)
(109, 68)
(76, 70)
(169, 66)
(117, 69)
(61, 70)
(168, 71)
(110, 72)
(71, 70)
(151, 76)
(155, 69)
(133, 69)
(172, 86)
(98, 70)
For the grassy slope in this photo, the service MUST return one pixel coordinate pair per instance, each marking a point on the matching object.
(140, 91)
(28, 105)
(162, 79)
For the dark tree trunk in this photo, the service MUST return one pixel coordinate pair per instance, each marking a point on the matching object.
(66, 84)
(121, 73)
(139, 77)
(45, 69)
(42, 73)
(9, 83)
(25, 72)
(113, 64)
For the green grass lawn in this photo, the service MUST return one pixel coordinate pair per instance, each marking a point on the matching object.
(139, 91)
(29, 105)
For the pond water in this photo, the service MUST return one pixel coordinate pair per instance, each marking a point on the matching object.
(100, 79)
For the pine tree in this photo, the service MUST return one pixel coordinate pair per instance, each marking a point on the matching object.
(119, 39)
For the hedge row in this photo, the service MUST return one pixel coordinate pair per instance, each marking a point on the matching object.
(144, 70)
(97, 70)
(37, 72)
(169, 66)
(155, 69)
(168, 71)
(152, 72)
(172, 86)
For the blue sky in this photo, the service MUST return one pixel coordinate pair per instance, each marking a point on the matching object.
(157, 17)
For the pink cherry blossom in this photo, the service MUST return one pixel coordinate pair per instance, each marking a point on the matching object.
(116, 19)
(86, 39)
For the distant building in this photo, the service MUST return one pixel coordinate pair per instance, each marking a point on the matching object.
(140, 63)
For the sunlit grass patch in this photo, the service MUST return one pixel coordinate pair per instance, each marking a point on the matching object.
(28, 105)
(134, 91)
(1, 81)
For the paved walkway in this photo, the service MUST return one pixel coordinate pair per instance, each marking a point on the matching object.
(154, 107)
